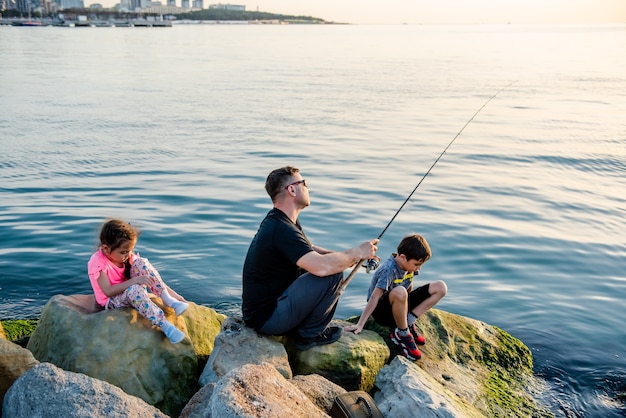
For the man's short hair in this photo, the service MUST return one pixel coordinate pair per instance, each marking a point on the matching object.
(278, 179)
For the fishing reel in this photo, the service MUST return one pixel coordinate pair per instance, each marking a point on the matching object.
(371, 265)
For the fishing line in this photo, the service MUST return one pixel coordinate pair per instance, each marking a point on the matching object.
(372, 264)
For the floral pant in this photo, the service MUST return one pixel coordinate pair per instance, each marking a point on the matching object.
(137, 296)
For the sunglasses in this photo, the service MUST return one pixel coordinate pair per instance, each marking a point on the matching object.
(303, 182)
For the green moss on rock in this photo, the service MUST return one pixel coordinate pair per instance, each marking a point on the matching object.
(19, 328)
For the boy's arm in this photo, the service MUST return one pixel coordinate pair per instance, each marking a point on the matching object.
(367, 311)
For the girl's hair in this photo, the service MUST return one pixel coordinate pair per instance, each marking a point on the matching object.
(114, 233)
(415, 247)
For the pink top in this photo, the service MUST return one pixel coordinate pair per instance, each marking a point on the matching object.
(100, 263)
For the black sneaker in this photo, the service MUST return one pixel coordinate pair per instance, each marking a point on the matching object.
(330, 335)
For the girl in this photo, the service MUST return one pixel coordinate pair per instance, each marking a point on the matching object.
(119, 278)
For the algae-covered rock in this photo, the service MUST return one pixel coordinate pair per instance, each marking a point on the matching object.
(118, 346)
(352, 362)
(203, 325)
(482, 364)
(406, 390)
(17, 329)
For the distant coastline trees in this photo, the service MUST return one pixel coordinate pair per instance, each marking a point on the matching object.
(235, 15)
(199, 15)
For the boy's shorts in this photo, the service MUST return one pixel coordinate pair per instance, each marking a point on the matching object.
(383, 315)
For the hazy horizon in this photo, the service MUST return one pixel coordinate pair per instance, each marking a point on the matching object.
(441, 12)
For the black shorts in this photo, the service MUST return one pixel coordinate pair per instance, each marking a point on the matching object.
(383, 315)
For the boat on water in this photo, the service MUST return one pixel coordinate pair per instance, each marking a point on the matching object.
(27, 23)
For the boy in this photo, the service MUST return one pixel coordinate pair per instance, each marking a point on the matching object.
(392, 301)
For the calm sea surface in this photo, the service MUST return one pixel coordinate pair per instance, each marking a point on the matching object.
(176, 129)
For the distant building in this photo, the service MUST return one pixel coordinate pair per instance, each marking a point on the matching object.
(7, 5)
(161, 10)
(171, 3)
(228, 7)
(184, 4)
(70, 4)
(197, 4)
(22, 6)
(139, 4)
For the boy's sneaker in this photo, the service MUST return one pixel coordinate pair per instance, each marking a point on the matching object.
(417, 337)
(407, 344)
(330, 335)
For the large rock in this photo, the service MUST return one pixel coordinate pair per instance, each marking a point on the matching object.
(47, 391)
(481, 363)
(259, 391)
(352, 362)
(318, 389)
(203, 325)
(237, 345)
(405, 390)
(118, 346)
(14, 362)
(197, 405)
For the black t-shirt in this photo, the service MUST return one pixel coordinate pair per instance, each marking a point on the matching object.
(270, 265)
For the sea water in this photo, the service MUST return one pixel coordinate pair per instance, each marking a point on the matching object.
(176, 129)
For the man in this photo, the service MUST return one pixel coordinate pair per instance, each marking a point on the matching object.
(291, 286)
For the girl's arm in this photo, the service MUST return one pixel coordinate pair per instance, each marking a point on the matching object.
(111, 290)
(367, 311)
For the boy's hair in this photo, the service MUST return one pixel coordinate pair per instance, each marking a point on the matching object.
(278, 179)
(415, 247)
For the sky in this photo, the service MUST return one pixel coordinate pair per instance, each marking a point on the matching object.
(447, 11)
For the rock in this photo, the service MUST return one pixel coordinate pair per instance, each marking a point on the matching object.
(203, 325)
(480, 363)
(318, 389)
(468, 368)
(258, 391)
(2, 335)
(14, 362)
(118, 346)
(198, 403)
(352, 362)
(237, 345)
(45, 390)
(405, 390)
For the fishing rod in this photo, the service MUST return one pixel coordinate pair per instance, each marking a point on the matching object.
(372, 264)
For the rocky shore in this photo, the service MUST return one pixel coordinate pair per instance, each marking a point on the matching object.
(84, 362)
